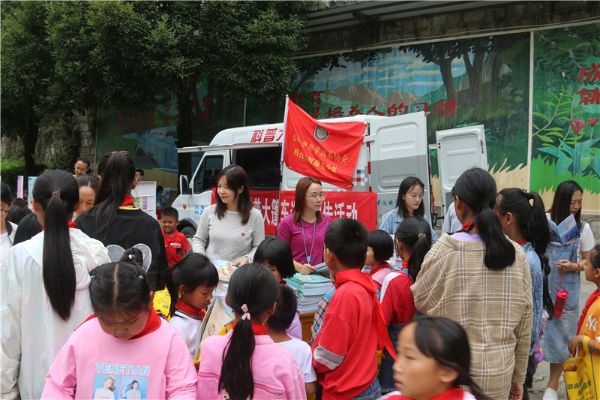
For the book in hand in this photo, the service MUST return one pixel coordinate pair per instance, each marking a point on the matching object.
(567, 232)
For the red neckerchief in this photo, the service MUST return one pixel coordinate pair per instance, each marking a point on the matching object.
(521, 241)
(128, 201)
(379, 268)
(450, 394)
(282, 282)
(152, 323)
(72, 224)
(467, 226)
(355, 275)
(595, 294)
(257, 329)
(404, 263)
(190, 310)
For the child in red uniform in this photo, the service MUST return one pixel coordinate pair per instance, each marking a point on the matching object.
(176, 244)
(588, 328)
(380, 248)
(344, 350)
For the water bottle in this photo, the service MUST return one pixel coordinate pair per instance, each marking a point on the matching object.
(561, 298)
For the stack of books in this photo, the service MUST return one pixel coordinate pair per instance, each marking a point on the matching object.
(309, 289)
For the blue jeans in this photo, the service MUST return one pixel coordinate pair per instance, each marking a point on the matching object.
(386, 378)
(373, 392)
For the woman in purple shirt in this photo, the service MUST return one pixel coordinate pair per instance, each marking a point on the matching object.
(304, 229)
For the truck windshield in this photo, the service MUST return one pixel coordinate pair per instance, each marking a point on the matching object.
(205, 178)
(262, 166)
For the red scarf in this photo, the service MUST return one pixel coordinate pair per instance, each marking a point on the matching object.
(521, 241)
(257, 329)
(190, 310)
(404, 263)
(152, 323)
(356, 276)
(467, 226)
(72, 224)
(128, 201)
(595, 294)
(379, 268)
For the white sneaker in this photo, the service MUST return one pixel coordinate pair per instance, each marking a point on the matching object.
(550, 394)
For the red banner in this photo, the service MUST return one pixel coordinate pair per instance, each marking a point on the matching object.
(356, 205)
(324, 150)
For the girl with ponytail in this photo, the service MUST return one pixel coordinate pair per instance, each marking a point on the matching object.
(523, 218)
(246, 363)
(44, 287)
(413, 241)
(481, 279)
(434, 361)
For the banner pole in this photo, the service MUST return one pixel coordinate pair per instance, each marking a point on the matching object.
(285, 113)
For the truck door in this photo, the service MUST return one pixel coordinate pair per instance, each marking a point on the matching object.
(458, 150)
(398, 150)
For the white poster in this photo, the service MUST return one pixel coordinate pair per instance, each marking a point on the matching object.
(30, 183)
(144, 194)
(20, 186)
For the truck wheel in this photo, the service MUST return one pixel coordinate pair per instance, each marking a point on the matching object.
(189, 232)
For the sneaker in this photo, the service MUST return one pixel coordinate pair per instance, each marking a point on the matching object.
(550, 394)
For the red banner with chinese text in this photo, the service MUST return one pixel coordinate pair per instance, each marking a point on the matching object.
(356, 205)
(324, 150)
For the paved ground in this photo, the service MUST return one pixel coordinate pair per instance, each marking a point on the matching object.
(541, 377)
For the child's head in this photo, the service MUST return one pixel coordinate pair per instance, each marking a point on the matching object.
(285, 311)
(433, 356)
(345, 245)
(413, 240)
(195, 278)
(170, 219)
(277, 256)
(380, 247)
(88, 186)
(120, 298)
(592, 265)
(252, 294)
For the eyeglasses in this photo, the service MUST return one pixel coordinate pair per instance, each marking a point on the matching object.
(316, 196)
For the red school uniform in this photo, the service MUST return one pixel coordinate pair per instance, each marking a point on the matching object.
(353, 329)
(175, 245)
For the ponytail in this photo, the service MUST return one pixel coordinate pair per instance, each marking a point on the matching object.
(476, 188)
(415, 233)
(537, 230)
(57, 193)
(466, 380)
(499, 251)
(236, 372)
(252, 290)
(419, 250)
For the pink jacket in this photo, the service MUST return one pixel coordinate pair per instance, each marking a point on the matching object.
(96, 365)
(275, 373)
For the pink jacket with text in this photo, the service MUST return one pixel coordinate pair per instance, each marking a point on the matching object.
(96, 365)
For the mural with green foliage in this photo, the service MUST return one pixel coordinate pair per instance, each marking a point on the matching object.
(460, 82)
(566, 108)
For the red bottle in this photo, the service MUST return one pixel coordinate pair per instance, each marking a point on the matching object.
(561, 298)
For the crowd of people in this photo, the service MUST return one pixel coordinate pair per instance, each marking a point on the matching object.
(410, 316)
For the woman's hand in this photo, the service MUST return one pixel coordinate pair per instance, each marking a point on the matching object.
(575, 343)
(305, 269)
(567, 266)
(241, 261)
(516, 391)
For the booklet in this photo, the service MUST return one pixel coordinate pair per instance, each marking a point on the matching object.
(567, 232)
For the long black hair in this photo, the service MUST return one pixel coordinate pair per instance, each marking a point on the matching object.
(278, 254)
(237, 178)
(119, 286)
(415, 233)
(561, 203)
(447, 343)
(533, 225)
(118, 174)
(477, 189)
(191, 271)
(57, 193)
(253, 286)
(405, 186)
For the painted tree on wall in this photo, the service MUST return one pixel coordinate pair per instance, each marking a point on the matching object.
(566, 133)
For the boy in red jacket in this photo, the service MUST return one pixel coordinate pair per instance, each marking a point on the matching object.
(345, 350)
(176, 244)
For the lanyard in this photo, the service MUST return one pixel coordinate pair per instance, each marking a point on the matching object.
(304, 240)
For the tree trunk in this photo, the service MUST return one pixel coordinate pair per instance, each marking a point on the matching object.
(475, 71)
(29, 141)
(446, 71)
(184, 126)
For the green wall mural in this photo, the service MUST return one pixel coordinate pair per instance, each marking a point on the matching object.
(460, 82)
(566, 108)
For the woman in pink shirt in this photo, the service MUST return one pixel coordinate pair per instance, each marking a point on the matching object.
(304, 229)
(125, 348)
(245, 363)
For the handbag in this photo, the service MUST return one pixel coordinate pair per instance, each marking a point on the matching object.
(584, 382)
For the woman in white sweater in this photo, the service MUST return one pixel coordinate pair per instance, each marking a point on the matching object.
(231, 229)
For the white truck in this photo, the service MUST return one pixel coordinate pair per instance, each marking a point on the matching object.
(392, 149)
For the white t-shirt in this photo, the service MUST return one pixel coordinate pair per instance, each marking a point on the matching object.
(302, 354)
(6, 241)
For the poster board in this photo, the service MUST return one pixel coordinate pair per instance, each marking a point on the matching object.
(144, 195)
